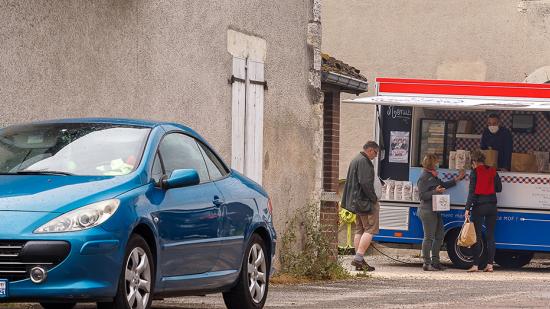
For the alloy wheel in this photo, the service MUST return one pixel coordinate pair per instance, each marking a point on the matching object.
(138, 279)
(257, 273)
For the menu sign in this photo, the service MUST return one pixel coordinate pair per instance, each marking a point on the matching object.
(396, 124)
(399, 147)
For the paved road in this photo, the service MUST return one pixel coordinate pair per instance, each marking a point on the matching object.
(395, 285)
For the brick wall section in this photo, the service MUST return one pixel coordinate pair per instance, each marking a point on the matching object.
(331, 148)
(331, 141)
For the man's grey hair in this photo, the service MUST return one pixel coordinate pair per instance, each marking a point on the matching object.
(371, 144)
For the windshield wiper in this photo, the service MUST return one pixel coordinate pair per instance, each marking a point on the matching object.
(31, 172)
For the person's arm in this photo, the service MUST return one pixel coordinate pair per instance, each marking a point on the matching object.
(498, 183)
(483, 143)
(448, 184)
(472, 198)
(365, 174)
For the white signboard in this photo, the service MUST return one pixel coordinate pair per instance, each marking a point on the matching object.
(525, 191)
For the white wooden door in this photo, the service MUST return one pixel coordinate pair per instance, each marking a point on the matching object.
(238, 114)
(248, 110)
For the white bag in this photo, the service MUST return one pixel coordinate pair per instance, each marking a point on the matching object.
(377, 187)
(398, 191)
(452, 160)
(461, 158)
(542, 160)
(441, 202)
(390, 190)
(407, 191)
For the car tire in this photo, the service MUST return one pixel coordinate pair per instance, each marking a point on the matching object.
(513, 259)
(460, 256)
(138, 270)
(58, 305)
(254, 271)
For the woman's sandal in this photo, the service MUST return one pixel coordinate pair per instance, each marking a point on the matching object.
(488, 269)
(473, 269)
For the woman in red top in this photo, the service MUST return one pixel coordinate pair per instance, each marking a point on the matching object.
(482, 203)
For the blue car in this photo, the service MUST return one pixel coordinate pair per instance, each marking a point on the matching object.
(121, 212)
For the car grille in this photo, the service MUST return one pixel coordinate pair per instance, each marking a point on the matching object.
(17, 257)
(11, 266)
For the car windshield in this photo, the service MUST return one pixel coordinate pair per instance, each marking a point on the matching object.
(90, 149)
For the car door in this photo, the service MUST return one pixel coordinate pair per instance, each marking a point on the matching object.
(188, 217)
(236, 211)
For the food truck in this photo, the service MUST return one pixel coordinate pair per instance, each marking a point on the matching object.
(444, 117)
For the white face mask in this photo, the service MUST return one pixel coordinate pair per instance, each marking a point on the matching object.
(493, 129)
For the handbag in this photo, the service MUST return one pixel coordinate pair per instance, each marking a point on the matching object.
(467, 236)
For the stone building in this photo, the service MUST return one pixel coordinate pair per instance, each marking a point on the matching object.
(244, 74)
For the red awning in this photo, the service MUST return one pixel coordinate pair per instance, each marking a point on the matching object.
(459, 94)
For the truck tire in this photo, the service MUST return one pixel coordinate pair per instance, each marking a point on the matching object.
(58, 305)
(460, 256)
(513, 259)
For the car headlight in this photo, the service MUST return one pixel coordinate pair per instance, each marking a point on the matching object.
(82, 218)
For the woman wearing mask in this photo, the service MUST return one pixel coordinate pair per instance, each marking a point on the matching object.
(432, 222)
(482, 206)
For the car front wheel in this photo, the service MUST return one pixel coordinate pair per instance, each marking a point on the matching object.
(136, 281)
(250, 292)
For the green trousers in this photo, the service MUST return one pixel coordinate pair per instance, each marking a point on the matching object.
(432, 223)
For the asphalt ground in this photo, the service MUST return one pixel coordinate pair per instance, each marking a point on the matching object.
(398, 285)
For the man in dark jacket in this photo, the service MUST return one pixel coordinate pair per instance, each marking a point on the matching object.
(499, 138)
(360, 198)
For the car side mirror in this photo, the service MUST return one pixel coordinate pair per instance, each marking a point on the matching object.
(181, 178)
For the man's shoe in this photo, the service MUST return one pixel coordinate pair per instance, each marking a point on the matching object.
(362, 266)
(429, 267)
(438, 266)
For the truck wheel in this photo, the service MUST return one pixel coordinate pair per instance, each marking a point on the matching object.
(58, 305)
(250, 291)
(460, 256)
(513, 259)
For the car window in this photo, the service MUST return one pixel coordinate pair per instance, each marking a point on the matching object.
(156, 172)
(216, 168)
(85, 149)
(179, 151)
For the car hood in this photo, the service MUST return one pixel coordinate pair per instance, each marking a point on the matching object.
(51, 193)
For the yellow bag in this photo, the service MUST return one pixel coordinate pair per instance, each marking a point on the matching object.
(467, 237)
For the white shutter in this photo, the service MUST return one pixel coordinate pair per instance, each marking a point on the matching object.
(238, 114)
(248, 118)
(254, 129)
